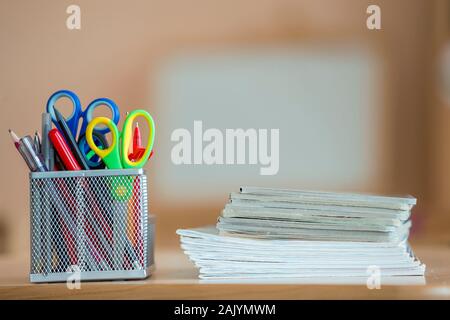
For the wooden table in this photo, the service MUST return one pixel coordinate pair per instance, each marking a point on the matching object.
(176, 278)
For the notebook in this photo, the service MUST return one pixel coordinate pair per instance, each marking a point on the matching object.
(227, 257)
(312, 215)
(267, 233)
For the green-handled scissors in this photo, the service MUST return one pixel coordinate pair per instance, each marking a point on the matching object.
(116, 155)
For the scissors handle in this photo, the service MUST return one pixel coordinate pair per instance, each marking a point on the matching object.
(72, 121)
(127, 139)
(110, 155)
(93, 160)
(89, 113)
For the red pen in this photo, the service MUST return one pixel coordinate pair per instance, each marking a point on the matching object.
(63, 150)
(137, 140)
(138, 149)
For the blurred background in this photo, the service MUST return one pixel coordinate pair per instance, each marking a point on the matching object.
(358, 109)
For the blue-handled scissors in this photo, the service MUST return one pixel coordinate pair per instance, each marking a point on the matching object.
(78, 113)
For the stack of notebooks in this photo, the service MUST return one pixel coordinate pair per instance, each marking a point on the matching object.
(266, 233)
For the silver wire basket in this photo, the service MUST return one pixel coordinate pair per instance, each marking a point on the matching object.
(93, 223)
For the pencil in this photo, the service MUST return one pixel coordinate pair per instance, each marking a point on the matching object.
(14, 138)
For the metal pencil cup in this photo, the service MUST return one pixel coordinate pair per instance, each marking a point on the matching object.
(91, 224)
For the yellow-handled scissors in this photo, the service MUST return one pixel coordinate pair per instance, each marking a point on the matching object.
(116, 155)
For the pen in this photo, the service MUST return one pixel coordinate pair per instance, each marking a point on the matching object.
(67, 134)
(138, 149)
(63, 150)
(25, 146)
(137, 141)
(46, 146)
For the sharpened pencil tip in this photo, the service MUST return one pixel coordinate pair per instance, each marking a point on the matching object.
(14, 136)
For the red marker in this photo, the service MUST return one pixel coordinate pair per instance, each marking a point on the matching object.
(63, 150)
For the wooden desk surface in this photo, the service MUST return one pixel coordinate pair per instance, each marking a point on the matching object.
(176, 278)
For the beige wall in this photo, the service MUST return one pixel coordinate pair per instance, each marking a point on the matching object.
(122, 43)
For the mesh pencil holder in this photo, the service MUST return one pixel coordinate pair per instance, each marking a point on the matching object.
(93, 223)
